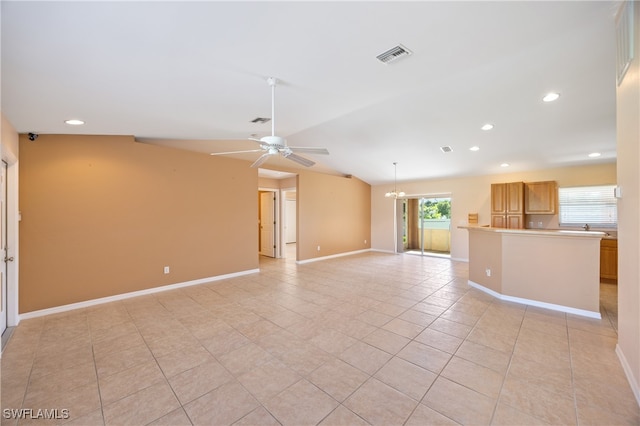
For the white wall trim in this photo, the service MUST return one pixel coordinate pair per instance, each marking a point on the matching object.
(383, 251)
(123, 296)
(333, 256)
(536, 303)
(629, 373)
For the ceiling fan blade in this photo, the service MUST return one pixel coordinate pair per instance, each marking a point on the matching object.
(298, 159)
(236, 152)
(260, 160)
(309, 150)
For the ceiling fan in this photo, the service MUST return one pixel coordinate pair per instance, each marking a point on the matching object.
(273, 145)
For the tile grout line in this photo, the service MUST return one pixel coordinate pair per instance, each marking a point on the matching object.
(506, 373)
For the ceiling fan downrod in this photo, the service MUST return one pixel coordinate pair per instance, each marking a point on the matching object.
(272, 82)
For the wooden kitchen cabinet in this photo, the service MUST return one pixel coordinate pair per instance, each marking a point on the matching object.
(498, 221)
(609, 260)
(507, 205)
(540, 197)
(498, 198)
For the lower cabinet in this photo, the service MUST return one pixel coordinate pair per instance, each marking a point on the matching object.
(609, 260)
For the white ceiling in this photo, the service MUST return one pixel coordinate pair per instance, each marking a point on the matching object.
(193, 75)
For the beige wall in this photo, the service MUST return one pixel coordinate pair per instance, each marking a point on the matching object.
(103, 215)
(333, 213)
(544, 267)
(628, 131)
(473, 195)
(9, 140)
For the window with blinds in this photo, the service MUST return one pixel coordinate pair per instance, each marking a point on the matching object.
(593, 205)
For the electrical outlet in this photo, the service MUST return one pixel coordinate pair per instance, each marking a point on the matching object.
(488, 272)
(166, 270)
(539, 224)
(365, 241)
(318, 248)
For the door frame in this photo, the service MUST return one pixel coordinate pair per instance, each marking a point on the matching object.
(283, 235)
(399, 224)
(4, 244)
(277, 216)
(13, 218)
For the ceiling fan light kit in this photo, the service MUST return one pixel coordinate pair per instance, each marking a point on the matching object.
(273, 145)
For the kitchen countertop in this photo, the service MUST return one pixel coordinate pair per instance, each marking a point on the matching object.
(541, 232)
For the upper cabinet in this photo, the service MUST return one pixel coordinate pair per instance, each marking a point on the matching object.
(515, 196)
(507, 205)
(498, 198)
(540, 197)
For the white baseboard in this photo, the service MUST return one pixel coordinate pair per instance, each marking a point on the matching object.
(536, 303)
(333, 256)
(93, 302)
(629, 373)
(383, 251)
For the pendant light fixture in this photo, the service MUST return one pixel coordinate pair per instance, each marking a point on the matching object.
(395, 193)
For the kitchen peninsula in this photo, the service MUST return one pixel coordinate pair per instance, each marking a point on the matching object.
(553, 269)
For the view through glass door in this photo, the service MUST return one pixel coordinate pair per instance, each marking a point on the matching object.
(427, 225)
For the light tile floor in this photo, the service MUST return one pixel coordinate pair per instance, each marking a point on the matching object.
(365, 339)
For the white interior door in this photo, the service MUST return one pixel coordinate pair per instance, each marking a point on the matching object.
(290, 214)
(267, 224)
(3, 248)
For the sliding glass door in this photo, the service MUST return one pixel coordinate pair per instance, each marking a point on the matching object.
(427, 225)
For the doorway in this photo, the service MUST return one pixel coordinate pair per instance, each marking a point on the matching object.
(267, 228)
(426, 225)
(289, 223)
(3, 248)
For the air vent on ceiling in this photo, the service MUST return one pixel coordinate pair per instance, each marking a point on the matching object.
(446, 149)
(393, 54)
(261, 120)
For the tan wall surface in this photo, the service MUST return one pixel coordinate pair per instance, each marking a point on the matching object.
(473, 195)
(486, 248)
(9, 140)
(103, 215)
(268, 183)
(557, 269)
(333, 213)
(628, 131)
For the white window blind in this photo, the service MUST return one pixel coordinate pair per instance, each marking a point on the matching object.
(593, 205)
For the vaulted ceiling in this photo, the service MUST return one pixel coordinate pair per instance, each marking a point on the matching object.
(193, 75)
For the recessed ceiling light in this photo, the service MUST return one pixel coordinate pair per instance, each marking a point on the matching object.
(594, 154)
(487, 126)
(550, 97)
(474, 148)
(74, 122)
(504, 165)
